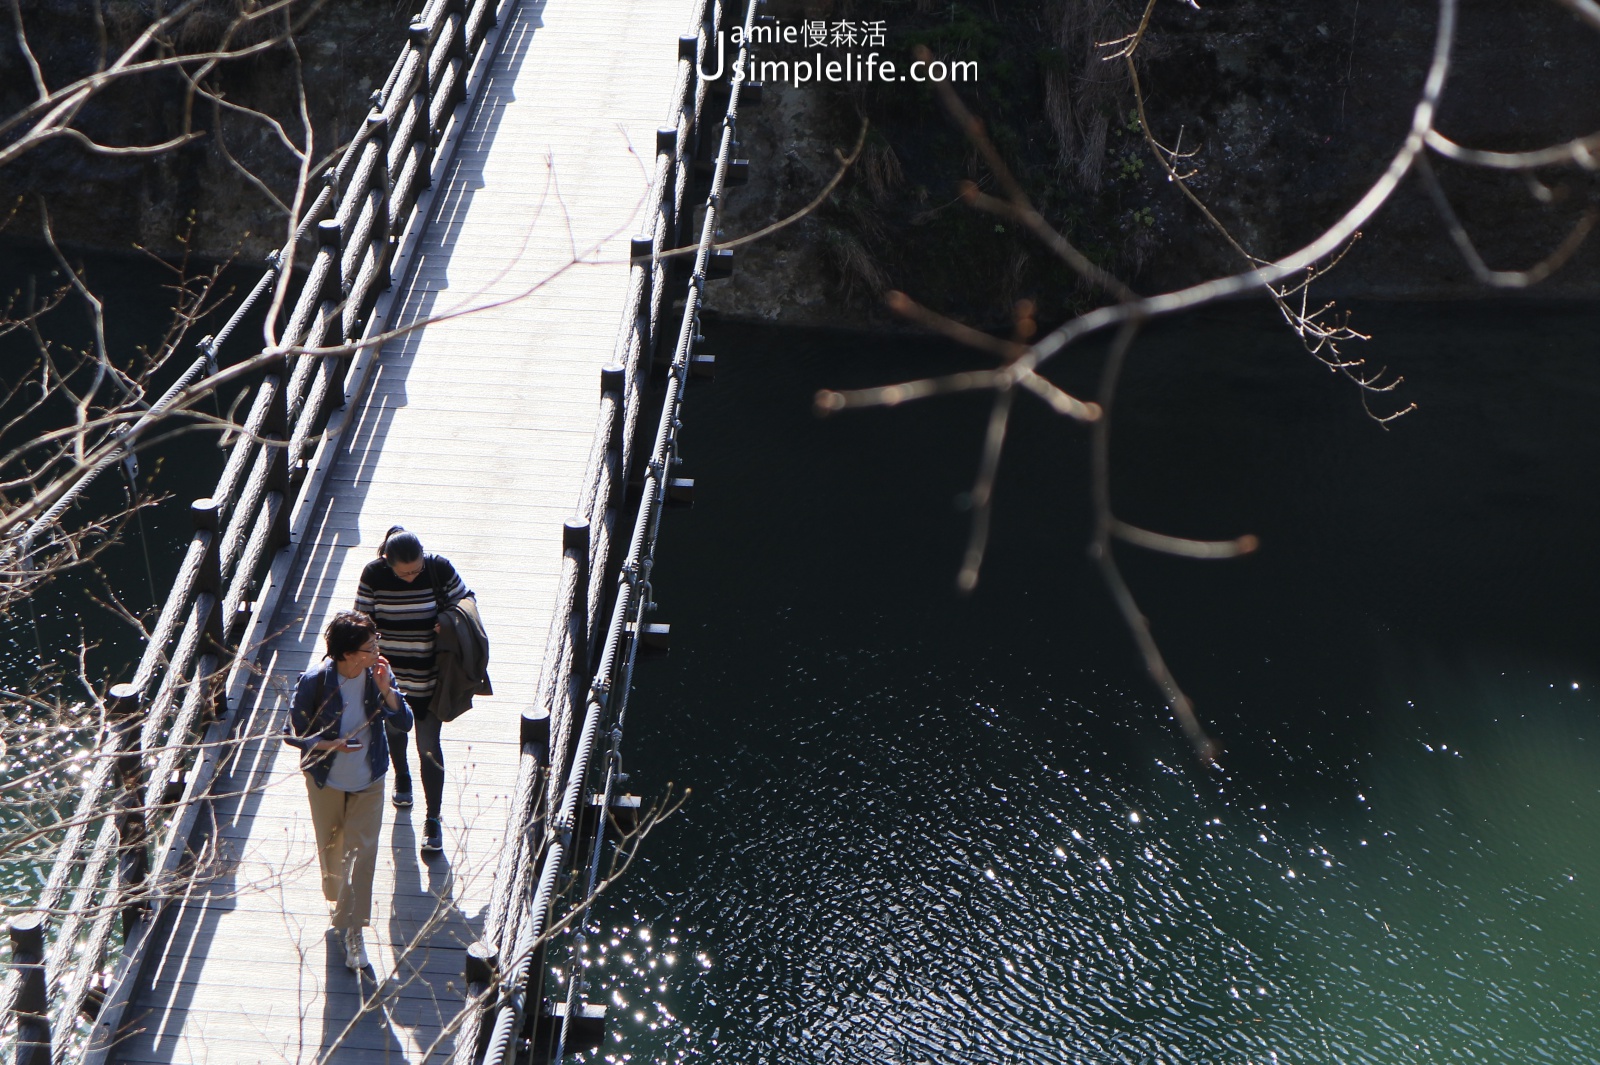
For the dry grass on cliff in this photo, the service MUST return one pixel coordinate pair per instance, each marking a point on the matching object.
(1082, 92)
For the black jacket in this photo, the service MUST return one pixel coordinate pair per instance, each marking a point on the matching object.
(462, 649)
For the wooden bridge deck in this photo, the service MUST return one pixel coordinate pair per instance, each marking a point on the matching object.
(475, 435)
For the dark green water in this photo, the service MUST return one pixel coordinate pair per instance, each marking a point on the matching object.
(928, 829)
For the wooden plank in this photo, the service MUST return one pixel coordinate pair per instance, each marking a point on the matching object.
(476, 434)
(213, 1037)
(437, 962)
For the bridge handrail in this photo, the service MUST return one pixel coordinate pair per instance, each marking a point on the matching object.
(446, 81)
(611, 456)
(178, 693)
(521, 908)
(18, 549)
(579, 601)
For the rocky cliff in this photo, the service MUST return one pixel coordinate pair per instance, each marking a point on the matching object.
(1284, 111)
(198, 197)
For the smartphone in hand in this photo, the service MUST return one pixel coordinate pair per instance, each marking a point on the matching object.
(352, 744)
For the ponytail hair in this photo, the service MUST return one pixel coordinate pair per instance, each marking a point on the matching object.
(399, 545)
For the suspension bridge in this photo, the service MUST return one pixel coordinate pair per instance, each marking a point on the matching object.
(485, 261)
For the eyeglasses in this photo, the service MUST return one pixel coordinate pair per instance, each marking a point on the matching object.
(407, 571)
(370, 649)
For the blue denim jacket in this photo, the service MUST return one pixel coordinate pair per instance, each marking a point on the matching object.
(309, 723)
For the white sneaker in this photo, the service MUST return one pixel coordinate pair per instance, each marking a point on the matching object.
(355, 950)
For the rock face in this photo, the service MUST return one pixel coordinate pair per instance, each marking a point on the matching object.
(783, 277)
(1284, 111)
(195, 198)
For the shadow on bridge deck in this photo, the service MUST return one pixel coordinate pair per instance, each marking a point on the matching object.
(475, 433)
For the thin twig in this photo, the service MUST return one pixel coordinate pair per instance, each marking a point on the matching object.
(845, 163)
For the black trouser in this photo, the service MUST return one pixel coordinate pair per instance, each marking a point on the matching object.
(430, 755)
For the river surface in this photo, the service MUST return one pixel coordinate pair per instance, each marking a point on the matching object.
(928, 828)
(932, 829)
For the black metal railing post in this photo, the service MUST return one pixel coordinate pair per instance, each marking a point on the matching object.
(575, 543)
(641, 252)
(382, 229)
(614, 383)
(667, 145)
(330, 254)
(276, 445)
(30, 1011)
(457, 10)
(481, 972)
(204, 514)
(420, 35)
(330, 242)
(643, 256)
(126, 714)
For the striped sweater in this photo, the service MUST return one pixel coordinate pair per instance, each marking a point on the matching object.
(405, 615)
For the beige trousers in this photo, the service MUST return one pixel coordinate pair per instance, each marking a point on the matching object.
(347, 825)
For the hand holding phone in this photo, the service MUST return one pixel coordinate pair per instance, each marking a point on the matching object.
(351, 743)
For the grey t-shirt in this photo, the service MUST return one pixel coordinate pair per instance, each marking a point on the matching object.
(352, 770)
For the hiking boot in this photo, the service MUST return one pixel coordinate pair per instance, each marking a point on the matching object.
(402, 795)
(355, 950)
(432, 836)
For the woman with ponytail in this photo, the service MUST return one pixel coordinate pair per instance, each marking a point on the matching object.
(403, 589)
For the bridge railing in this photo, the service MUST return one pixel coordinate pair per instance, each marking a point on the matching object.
(128, 848)
(572, 735)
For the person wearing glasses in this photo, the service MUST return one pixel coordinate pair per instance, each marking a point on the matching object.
(404, 589)
(339, 721)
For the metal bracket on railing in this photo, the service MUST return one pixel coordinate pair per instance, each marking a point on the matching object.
(125, 713)
(130, 462)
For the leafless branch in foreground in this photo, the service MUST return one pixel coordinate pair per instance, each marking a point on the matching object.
(1287, 280)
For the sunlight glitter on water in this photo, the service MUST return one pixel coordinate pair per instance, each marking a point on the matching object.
(1157, 939)
(46, 763)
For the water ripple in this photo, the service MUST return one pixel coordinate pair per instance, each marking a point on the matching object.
(948, 880)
